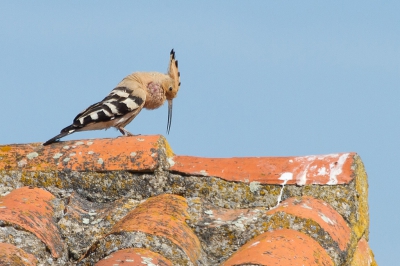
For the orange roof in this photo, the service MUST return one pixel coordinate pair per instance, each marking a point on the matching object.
(132, 200)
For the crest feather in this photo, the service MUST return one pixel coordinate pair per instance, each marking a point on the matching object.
(173, 71)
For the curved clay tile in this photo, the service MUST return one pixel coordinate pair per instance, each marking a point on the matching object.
(363, 255)
(322, 213)
(164, 216)
(328, 169)
(11, 255)
(136, 153)
(31, 209)
(284, 247)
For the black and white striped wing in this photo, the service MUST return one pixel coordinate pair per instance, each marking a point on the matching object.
(118, 103)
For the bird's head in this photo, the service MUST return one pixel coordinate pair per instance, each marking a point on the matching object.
(174, 74)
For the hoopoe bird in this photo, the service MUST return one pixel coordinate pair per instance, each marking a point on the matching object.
(136, 91)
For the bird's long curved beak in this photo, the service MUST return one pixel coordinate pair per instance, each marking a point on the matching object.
(169, 115)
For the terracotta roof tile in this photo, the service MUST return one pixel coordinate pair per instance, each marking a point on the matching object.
(163, 216)
(282, 247)
(329, 169)
(13, 256)
(134, 256)
(140, 153)
(31, 209)
(320, 212)
(363, 255)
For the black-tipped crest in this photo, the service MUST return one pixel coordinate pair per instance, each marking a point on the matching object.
(174, 74)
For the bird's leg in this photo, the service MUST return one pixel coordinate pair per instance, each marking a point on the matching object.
(125, 132)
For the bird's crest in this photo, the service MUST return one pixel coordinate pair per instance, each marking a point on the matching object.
(173, 72)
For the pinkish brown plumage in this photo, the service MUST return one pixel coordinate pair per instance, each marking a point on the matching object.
(136, 91)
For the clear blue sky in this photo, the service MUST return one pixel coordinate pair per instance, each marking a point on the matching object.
(259, 78)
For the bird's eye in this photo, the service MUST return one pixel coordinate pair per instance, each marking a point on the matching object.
(170, 88)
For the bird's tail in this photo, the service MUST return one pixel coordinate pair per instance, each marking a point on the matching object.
(65, 132)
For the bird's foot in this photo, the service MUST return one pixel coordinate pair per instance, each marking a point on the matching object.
(125, 132)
